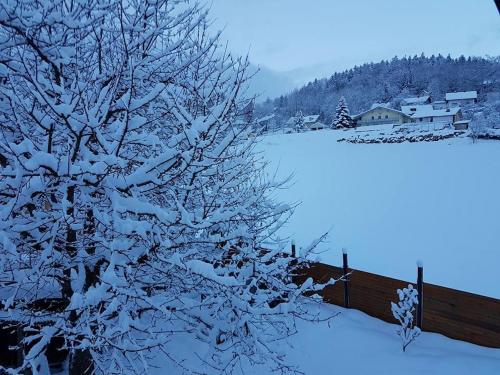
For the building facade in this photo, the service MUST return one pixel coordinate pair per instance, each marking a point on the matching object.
(380, 115)
(460, 99)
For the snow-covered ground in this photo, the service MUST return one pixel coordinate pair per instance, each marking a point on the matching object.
(393, 204)
(356, 343)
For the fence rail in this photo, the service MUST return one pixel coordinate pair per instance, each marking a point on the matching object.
(453, 313)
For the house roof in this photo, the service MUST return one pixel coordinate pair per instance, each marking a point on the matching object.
(416, 100)
(307, 119)
(461, 95)
(462, 122)
(431, 112)
(310, 118)
(266, 118)
(379, 107)
(410, 109)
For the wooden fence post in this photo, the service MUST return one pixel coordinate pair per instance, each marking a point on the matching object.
(294, 254)
(420, 290)
(346, 281)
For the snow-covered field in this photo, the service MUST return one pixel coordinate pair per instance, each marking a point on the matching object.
(356, 343)
(393, 204)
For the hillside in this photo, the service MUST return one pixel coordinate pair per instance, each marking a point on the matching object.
(389, 81)
(392, 204)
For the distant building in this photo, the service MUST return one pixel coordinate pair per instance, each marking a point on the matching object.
(411, 109)
(419, 100)
(311, 122)
(379, 115)
(459, 99)
(448, 115)
(266, 123)
(439, 104)
(461, 125)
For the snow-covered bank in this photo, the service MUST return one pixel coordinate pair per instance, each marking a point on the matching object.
(391, 204)
(356, 343)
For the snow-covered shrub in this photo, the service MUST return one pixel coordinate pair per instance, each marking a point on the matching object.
(127, 193)
(404, 312)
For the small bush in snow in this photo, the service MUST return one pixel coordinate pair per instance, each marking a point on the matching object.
(403, 311)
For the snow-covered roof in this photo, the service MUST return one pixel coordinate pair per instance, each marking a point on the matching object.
(311, 118)
(462, 122)
(379, 107)
(410, 109)
(307, 119)
(461, 95)
(416, 100)
(431, 112)
(439, 102)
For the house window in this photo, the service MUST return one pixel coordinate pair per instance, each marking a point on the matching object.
(386, 116)
(373, 117)
(379, 117)
(420, 119)
(432, 119)
(361, 118)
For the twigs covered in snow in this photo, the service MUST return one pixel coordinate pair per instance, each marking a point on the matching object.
(130, 192)
(403, 311)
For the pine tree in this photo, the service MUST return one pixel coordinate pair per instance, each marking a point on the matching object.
(299, 122)
(342, 119)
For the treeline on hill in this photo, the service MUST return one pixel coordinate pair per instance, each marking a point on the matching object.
(387, 81)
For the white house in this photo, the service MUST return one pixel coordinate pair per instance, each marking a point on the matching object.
(458, 99)
(311, 122)
(379, 115)
(266, 123)
(446, 116)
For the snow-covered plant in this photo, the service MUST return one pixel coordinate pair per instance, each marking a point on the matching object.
(131, 206)
(342, 117)
(404, 312)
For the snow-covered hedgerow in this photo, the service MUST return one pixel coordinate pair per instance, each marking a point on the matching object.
(127, 192)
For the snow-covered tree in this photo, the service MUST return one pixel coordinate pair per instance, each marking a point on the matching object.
(403, 311)
(131, 207)
(299, 122)
(342, 117)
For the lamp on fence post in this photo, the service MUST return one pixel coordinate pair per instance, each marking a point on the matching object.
(346, 282)
(420, 290)
(294, 254)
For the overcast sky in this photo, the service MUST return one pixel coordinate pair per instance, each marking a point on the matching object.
(330, 35)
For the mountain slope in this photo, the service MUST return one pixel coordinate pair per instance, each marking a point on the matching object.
(389, 81)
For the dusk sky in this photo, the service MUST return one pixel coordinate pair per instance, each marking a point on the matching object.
(329, 35)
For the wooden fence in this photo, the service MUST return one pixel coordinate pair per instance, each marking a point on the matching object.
(453, 313)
